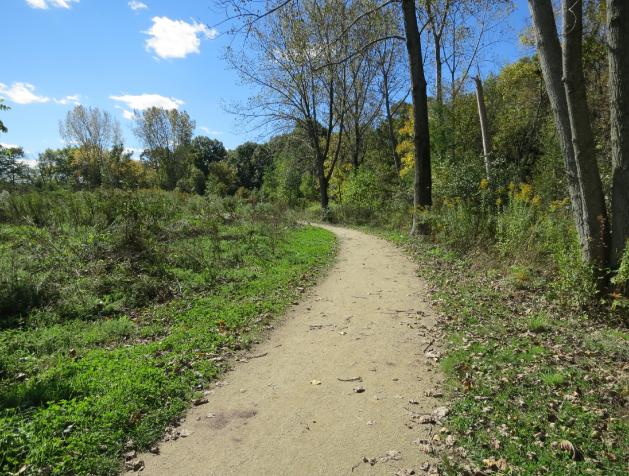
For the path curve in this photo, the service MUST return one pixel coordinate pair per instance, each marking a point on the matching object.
(368, 318)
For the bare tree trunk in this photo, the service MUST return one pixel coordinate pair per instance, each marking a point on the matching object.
(390, 128)
(484, 125)
(423, 181)
(594, 209)
(618, 41)
(549, 51)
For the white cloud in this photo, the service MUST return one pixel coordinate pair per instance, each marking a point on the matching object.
(9, 146)
(144, 101)
(22, 93)
(135, 5)
(176, 38)
(73, 99)
(45, 4)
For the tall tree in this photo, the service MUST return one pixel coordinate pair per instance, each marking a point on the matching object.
(94, 132)
(166, 135)
(618, 43)
(422, 196)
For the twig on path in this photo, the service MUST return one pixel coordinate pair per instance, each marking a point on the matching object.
(258, 356)
(429, 345)
(351, 379)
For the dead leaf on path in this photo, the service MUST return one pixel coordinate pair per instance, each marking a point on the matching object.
(426, 420)
(315, 382)
(391, 455)
(350, 379)
(371, 423)
(371, 461)
(359, 389)
(130, 455)
(440, 412)
(134, 465)
(433, 354)
(413, 402)
(154, 450)
(434, 393)
(200, 401)
(424, 446)
(405, 472)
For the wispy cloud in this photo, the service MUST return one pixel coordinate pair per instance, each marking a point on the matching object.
(73, 99)
(207, 130)
(135, 5)
(45, 4)
(141, 102)
(176, 38)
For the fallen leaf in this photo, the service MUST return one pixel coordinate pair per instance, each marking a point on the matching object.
(359, 389)
(496, 464)
(200, 401)
(315, 382)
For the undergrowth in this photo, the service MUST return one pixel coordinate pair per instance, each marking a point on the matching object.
(115, 306)
(538, 385)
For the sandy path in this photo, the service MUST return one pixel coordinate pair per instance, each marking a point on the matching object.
(368, 318)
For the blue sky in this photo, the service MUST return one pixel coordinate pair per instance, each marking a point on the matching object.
(121, 55)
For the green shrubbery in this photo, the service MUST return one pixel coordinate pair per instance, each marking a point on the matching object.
(111, 303)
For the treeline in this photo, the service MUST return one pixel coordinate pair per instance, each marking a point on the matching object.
(172, 158)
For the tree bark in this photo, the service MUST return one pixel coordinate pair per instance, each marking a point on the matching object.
(549, 51)
(484, 125)
(618, 42)
(594, 209)
(423, 181)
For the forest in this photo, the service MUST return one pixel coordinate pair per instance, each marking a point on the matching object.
(126, 282)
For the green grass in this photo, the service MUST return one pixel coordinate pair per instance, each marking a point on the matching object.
(524, 372)
(78, 386)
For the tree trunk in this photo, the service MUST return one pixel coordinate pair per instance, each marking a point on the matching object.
(618, 41)
(323, 187)
(390, 128)
(484, 126)
(549, 51)
(423, 181)
(594, 209)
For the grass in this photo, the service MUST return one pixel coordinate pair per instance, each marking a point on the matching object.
(530, 379)
(84, 378)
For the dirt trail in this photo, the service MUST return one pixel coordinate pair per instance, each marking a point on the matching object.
(368, 318)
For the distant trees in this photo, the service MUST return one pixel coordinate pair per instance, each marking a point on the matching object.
(94, 132)
(166, 136)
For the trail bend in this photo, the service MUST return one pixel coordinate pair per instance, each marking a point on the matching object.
(294, 410)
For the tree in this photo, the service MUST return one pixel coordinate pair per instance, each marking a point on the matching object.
(206, 151)
(166, 136)
(251, 161)
(292, 54)
(484, 126)
(54, 167)
(12, 170)
(94, 132)
(422, 196)
(618, 44)
(562, 69)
